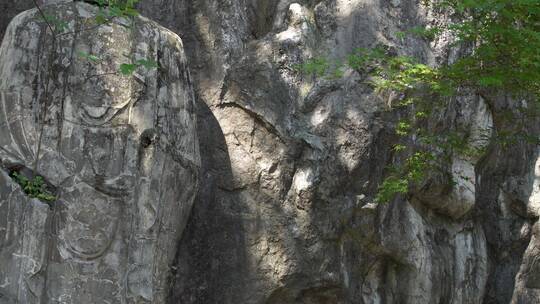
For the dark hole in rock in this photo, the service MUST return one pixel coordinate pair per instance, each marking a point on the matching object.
(148, 137)
(94, 2)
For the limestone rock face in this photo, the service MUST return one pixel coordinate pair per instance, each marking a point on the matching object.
(119, 151)
(285, 213)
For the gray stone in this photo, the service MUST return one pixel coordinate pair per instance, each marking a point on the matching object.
(291, 165)
(120, 151)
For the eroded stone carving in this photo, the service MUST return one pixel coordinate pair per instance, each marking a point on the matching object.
(121, 151)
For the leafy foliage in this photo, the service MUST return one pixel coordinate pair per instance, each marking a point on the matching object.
(89, 57)
(401, 178)
(35, 187)
(109, 9)
(129, 68)
(506, 38)
(317, 66)
(58, 25)
(502, 38)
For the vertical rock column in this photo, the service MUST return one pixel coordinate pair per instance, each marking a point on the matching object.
(120, 152)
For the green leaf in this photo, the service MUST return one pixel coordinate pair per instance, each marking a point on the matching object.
(315, 66)
(131, 12)
(127, 69)
(403, 128)
(490, 81)
(101, 19)
(94, 58)
(35, 188)
(390, 187)
(115, 11)
(90, 57)
(399, 148)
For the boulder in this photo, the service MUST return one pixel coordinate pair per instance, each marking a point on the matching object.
(105, 113)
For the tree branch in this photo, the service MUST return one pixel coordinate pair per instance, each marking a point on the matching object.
(44, 18)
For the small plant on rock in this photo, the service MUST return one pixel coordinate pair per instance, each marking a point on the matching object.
(36, 187)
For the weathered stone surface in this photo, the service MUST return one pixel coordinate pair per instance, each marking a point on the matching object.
(9, 10)
(290, 166)
(121, 152)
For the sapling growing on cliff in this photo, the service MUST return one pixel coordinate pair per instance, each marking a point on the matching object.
(501, 39)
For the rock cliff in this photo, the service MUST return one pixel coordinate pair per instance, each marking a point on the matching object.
(120, 154)
(290, 165)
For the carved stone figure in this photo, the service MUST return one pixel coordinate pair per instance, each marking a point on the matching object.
(120, 152)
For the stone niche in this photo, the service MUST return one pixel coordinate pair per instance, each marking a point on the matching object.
(119, 152)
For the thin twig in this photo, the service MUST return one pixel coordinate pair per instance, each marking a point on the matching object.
(44, 18)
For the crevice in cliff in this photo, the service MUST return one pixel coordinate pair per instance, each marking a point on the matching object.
(32, 184)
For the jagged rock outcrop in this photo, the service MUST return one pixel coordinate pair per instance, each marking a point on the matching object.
(291, 164)
(120, 153)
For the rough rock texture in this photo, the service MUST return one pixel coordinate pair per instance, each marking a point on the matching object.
(120, 152)
(10, 9)
(290, 166)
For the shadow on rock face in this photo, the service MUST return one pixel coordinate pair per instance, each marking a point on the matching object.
(213, 244)
(298, 226)
(313, 238)
(324, 294)
(10, 9)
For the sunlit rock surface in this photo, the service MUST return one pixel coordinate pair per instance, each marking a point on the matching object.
(120, 151)
(291, 165)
